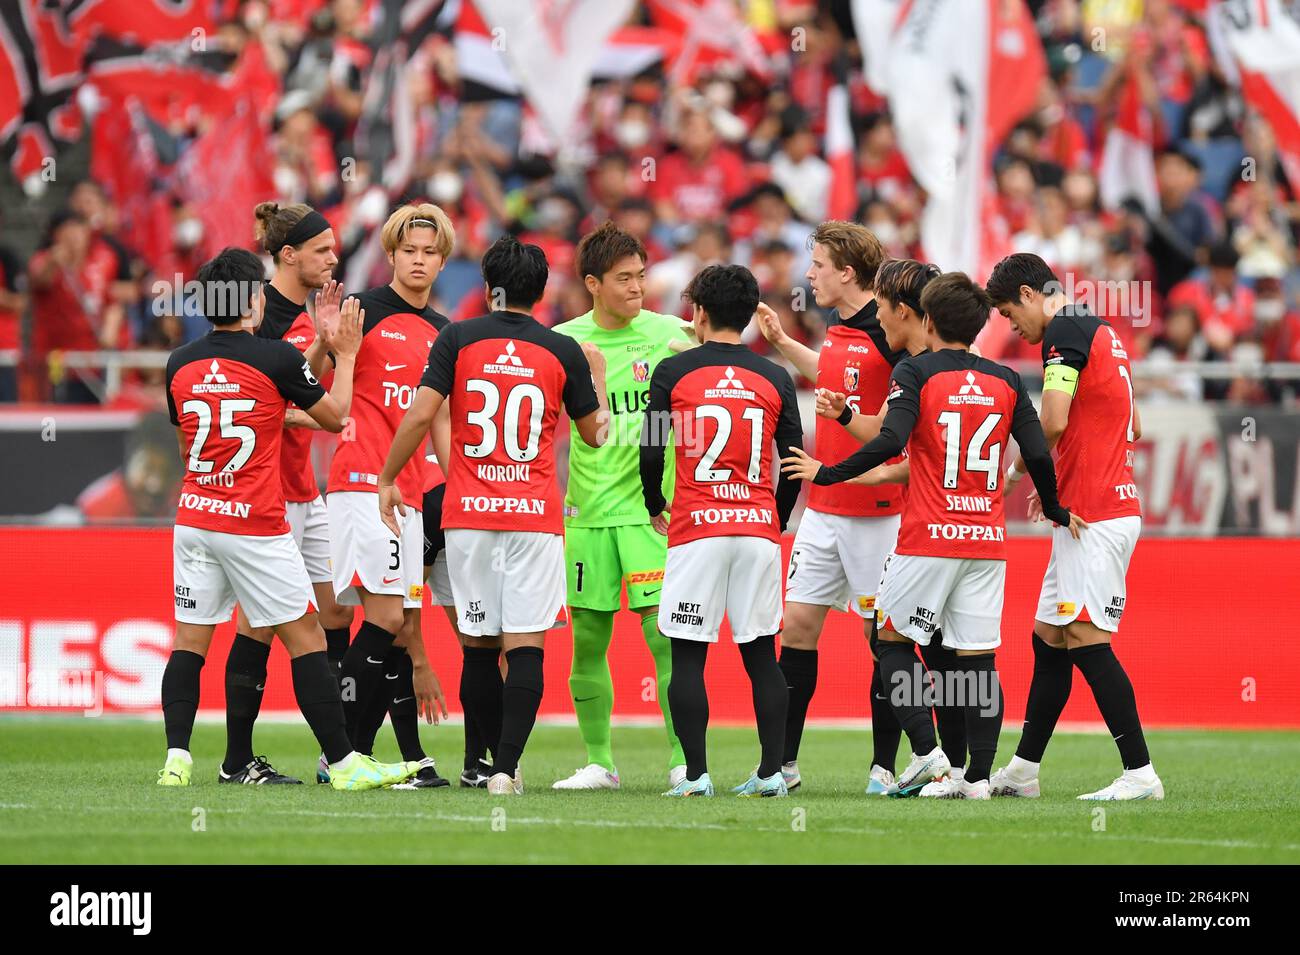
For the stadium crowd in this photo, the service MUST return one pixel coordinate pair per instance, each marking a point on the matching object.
(721, 166)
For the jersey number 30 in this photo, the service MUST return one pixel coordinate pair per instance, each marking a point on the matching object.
(976, 459)
(485, 419)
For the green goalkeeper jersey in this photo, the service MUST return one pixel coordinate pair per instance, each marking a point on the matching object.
(605, 483)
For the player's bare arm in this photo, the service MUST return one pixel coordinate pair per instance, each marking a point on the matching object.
(900, 472)
(408, 439)
(1034, 450)
(430, 702)
(1055, 416)
(328, 308)
(834, 405)
(594, 428)
(796, 353)
(440, 432)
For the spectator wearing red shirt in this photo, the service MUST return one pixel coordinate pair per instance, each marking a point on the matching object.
(1224, 305)
(881, 165)
(701, 178)
(72, 304)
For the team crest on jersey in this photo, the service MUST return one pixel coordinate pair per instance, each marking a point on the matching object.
(640, 371)
(851, 376)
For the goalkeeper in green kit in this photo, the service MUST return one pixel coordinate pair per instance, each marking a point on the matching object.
(608, 538)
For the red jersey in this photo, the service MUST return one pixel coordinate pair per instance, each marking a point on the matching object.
(954, 411)
(228, 392)
(703, 191)
(289, 321)
(725, 406)
(855, 360)
(506, 376)
(1095, 454)
(395, 345)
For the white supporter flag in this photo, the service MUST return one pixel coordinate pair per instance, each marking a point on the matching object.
(550, 50)
(1265, 44)
(1128, 158)
(874, 21)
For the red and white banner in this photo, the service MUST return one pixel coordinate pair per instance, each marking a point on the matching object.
(839, 154)
(961, 73)
(874, 21)
(92, 642)
(1128, 159)
(1264, 41)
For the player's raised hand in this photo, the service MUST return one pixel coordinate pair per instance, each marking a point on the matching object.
(830, 404)
(1077, 524)
(800, 465)
(429, 700)
(595, 359)
(328, 300)
(390, 498)
(660, 522)
(346, 340)
(769, 323)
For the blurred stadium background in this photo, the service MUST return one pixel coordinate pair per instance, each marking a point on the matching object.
(1148, 149)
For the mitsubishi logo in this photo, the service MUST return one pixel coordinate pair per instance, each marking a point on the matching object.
(214, 375)
(730, 381)
(510, 358)
(970, 388)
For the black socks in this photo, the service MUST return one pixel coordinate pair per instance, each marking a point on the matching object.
(689, 703)
(983, 712)
(375, 708)
(1114, 695)
(336, 647)
(362, 673)
(180, 697)
(941, 661)
(1049, 691)
(402, 711)
(520, 698)
(900, 673)
(245, 682)
(318, 698)
(481, 697)
(770, 700)
(885, 729)
(800, 669)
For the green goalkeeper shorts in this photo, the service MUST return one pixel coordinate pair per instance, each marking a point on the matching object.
(599, 559)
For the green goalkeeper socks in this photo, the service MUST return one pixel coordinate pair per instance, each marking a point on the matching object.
(590, 683)
(661, 648)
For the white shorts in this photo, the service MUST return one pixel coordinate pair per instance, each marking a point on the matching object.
(365, 554)
(1089, 573)
(439, 581)
(836, 561)
(962, 596)
(704, 578)
(506, 581)
(311, 532)
(212, 571)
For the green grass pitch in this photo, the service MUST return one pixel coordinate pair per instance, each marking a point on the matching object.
(82, 791)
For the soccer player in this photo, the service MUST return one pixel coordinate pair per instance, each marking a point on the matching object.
(1090, 418)
(847, 530)
(953, 411)
(301, 244)
(505, 377)
(383, 571)
(607, 533)
(898, 288)
(724, 404)
(227, 394)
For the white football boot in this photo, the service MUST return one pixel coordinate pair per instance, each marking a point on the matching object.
(1134, 784)
(593, 776)
(676, 776)
(502, 785)
(880, 781)
(921, 770)
(1019, 778)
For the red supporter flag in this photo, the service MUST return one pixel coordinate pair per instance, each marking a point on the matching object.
(1128, 158)
(839, 154)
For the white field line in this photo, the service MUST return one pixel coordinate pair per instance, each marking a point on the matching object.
(486, 820)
